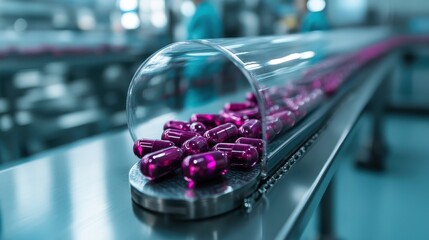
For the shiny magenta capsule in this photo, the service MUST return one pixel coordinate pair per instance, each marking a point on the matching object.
(198, 128)
(144, 146)
(222, 133)
(195, 145)
(251, 128)
(178, 137)
(209, 120)
(174, 124)
(239, 155)
(287, 118)
(160, 163)
(204, 166)
(257, 143)
(234, 118)
(238, 106)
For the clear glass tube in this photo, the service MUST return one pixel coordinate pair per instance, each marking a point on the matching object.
(286, 74)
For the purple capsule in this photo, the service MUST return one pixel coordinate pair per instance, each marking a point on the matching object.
(257, 143)
(251, 128)
(315, 98)
(287, 118)
(251, 113)
(277, 108)
(222, 133)
(178, 137)
(144, 146)
(160, 163)
(209, 120)
(234, 107)
(295, 108)
(239, 155)
(174, 124)
(251, 97)
(198, 128)
(204, 166)
(270, 133)
(274, 123)
(234, 118)
(195, 145)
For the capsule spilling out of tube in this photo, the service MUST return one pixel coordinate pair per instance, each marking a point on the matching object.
(222, 133)
(197, 144)
(158, 164)
(204, 166)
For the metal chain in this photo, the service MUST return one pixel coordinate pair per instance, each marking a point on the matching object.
(268, 184)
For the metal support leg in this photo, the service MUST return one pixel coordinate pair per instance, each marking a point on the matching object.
(326, 214)
(372, 158)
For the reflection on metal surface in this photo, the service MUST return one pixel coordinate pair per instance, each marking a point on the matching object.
(84, 206)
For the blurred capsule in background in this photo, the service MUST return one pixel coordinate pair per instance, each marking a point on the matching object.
(238, 106)
(234, 118)
(204, 166)
(275, 123)
(287, 118)
(160, 163)
(209, 120)
(174, 124)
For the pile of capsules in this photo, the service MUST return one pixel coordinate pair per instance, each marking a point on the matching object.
(209, 144)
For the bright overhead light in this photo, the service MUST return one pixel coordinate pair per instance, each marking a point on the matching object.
(187, 8)
(130, 20)
(316, 5)
(158, 19)
(128, 5)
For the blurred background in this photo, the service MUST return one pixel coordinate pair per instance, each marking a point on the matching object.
(65, 65)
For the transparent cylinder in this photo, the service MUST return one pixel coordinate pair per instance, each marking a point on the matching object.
(278, 80)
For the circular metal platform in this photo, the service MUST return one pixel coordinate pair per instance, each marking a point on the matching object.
(180, 199)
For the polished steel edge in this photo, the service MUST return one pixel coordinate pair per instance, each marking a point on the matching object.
(330, 141)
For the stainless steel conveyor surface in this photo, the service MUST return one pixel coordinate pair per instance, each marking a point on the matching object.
(81, 191)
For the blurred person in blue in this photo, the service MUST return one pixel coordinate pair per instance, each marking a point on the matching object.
(205, 23)
(313, 16)
(201, 73)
